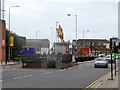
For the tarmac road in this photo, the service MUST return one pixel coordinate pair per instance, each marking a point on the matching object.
(79, 76)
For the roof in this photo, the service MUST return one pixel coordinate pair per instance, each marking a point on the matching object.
(94, 40)
(43, 43)
(37, 40)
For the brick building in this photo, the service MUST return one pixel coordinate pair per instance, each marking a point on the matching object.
(97, 46)
(2, 41)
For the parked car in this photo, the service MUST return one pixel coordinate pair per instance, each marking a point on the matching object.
(101, 55)
(101, 62)
(118, 57)
(108, 58)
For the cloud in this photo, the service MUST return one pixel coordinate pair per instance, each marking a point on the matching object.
(70, 10)
(33, 15)
(25, 6)
(75, 1)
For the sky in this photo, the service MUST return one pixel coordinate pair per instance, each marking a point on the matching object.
(100, 17)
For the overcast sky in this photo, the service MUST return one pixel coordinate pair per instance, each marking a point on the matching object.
(98, 16)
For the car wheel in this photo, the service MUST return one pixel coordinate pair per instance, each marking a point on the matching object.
(106, 66)
(95, 66)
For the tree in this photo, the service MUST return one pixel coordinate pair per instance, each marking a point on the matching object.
(18, 44)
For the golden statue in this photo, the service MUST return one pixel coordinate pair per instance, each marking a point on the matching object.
(60, 33)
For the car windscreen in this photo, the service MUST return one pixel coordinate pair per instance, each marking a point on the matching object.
(101, 60)
(108, 56)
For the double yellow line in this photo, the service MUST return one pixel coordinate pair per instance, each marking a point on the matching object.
(100, 79)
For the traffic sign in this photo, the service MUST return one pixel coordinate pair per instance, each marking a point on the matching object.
(3, 42)
(114, 39)
(119, 50)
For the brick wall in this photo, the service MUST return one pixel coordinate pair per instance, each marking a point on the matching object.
(2, 37)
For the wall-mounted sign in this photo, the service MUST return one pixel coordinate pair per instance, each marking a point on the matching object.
(3, 42)
(119, 50)
(11, 41)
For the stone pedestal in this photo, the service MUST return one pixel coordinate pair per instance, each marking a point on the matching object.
(61, 47)
(58, 63)
(44, 63)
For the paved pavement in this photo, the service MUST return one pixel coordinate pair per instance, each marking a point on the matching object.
(8, 63)
(115, 83)
(110, 83)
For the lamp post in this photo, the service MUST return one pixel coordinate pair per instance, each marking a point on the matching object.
(10, 30)
(36, 40)
(52, 37)
(56, 29)
(52, 40)
(75, 33)
(0, 10)
(75, 26)
(84, 34)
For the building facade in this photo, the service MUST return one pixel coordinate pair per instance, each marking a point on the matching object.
(2, 41)
(42, 45)
(24, 40)
(96, 46)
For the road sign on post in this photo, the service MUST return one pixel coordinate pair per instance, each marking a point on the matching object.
(114, 39)
(111, 59)
(115, 56)
(118, 50)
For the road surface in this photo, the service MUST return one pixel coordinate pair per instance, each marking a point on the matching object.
(79, 76)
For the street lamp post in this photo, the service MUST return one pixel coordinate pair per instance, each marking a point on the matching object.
(84, 35)
(52, 37)
(0, 10)
(56, 29)
(9, 31)
(52, 40)
(75, 26)
(75, 33)
(36, 40)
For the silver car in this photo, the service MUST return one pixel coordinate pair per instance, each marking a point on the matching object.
(108, 58)
(117, 56)
(101, 62)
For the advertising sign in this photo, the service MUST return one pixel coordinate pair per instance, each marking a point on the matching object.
(11, 41)
(83, 52)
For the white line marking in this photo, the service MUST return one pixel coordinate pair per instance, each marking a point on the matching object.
(22, 77)
(63, 70)
(46, 73)
(8, 69)
(7, 66)
(1, 80)
(69, 68)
